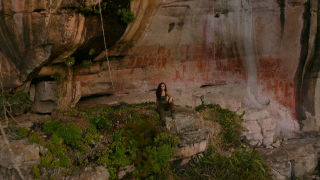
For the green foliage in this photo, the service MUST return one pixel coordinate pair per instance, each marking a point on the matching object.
(36, 172)
(141, 144)
(49, 162)
(35, 137)
(229, 120)
(91, 52)
(92, 129)
(86, 64)
(159, 157)
(22, 133)
(56, 146)
(14, 101)
(67, 173)
(57, 77)
(112, 172)
(69, 133)
(203, 107)
(126, 16)
(70, 61)
(242, 164)
(100, 121)
(65, 161)
(88, 9)
(51, 126)
(56, 154)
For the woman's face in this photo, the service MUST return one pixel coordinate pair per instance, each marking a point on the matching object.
(163, 87)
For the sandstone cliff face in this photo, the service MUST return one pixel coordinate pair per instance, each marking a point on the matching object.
(268, 46)
(38, 33)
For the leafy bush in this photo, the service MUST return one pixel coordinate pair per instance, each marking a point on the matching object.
(57, 77)
(51, 126)
(91, 52)
(36, 172)
(229, 120)
(126, 16)
(86, 64)
(159, 157)
(14, 101)
(92, 129)
(65, 161)
(34, 138)
(100, 121)
(22, 133)
(69, 133)
(56, 146)
(70, 61)
(242, 164)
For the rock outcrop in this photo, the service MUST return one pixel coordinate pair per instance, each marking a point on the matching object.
(194, 136)
(295, 158)
(260, 127)
(26, 156)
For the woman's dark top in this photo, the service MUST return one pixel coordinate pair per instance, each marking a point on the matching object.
(163, 99)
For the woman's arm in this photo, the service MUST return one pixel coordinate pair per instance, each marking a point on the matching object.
(170, 97)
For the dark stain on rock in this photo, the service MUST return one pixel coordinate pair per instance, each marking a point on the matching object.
(171, 26)
(282, 5)
(181, 23)
(301, 84)
(217, 15)
(38, 10)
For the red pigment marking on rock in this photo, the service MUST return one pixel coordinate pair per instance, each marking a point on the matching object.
(145, 61)
(161, 49)
(273, 84)
(139, 62)
(131, 61)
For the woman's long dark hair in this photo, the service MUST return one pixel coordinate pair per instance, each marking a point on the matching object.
(159, 91)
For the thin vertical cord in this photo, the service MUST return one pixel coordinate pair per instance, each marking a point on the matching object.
(105, 46)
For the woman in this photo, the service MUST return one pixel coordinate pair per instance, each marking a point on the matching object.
(162, 104)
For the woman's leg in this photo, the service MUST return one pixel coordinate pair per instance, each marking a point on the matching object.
(160, 110)
(170, 107)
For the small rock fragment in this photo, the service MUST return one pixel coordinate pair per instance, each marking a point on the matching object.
(269, 147)
(276, 144)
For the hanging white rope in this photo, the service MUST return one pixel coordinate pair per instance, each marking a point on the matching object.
(105, 46)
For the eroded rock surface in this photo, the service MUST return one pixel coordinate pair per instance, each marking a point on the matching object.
(295, 158)
(194, 133)
(26, 156)
(260, 127)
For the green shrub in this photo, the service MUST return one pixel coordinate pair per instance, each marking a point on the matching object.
(65, 161)
(56, 146)
(14, 101)
(49, 161)
(91, 52)
(231, 123)
(92, 129)
(159, 157)
(22, 133)
(100, 121)
(35, 137)
(88, 9)
(126, 16)
(241, 164)
(51, 126)
(69, 133)
(86, 63)
(57, 77)
(36, 172)
(70, 61)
